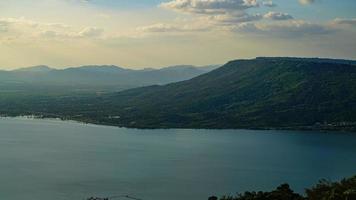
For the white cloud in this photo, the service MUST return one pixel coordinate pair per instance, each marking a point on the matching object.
(202, 24)
(278, 16)
(269, 4)
(49, 34)
(31, 23)
(25, 29)
(296, 28)
(306, 2)
(232, 15)
(235, 18)
(350, 22)
(218, 12)
(91, 32)
(209, 6)
(3, 26)
(161, 27)
(19, 21)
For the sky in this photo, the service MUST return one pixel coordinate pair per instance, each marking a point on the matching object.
(155, 33)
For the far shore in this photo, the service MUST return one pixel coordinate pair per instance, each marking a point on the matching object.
(319, 128)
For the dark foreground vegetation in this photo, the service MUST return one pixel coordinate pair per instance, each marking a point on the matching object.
(262, 93)
(324, 190)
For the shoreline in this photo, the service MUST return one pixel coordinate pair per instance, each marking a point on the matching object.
(84, 122)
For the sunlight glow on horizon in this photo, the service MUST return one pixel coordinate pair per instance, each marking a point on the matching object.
(154, 33)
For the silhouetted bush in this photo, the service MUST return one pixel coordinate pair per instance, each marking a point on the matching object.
(343, 190)
(282, 192)
(213, 198)
(324, 190)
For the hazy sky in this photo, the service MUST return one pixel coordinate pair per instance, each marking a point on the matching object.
(154, 33)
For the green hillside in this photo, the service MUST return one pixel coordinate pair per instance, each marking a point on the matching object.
(258, 93)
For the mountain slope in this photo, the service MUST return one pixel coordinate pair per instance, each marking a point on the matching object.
(39, 68)
(264, 92)
(258, 93)
(105, 78)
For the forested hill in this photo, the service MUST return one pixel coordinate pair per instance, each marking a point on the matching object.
(257, 93)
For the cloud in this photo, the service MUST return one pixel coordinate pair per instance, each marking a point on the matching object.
(161, 27)
(19, 21)
(24, 29)
(78, 1)
(87, 32)
(91, 32)
(339, 21)
(30, 23)
(278, 16)
(49, 34)
(293, 29)
(3, 26)
(232, 15)
(235, 18)
(269, 4)
(306, 2)
(219, 12)
(202, 24)
(209, 6)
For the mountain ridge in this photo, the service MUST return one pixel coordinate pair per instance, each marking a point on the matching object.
(255, 93)
(37, 68)
(92, 78)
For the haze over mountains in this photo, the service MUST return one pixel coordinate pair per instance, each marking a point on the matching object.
(257, 93)
(94, 78)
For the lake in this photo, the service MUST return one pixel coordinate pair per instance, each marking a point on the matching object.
(55, 160)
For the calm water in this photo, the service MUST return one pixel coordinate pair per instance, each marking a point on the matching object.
(52, 160)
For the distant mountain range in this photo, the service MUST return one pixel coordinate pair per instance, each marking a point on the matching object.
(258, 93)
(94, 78)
